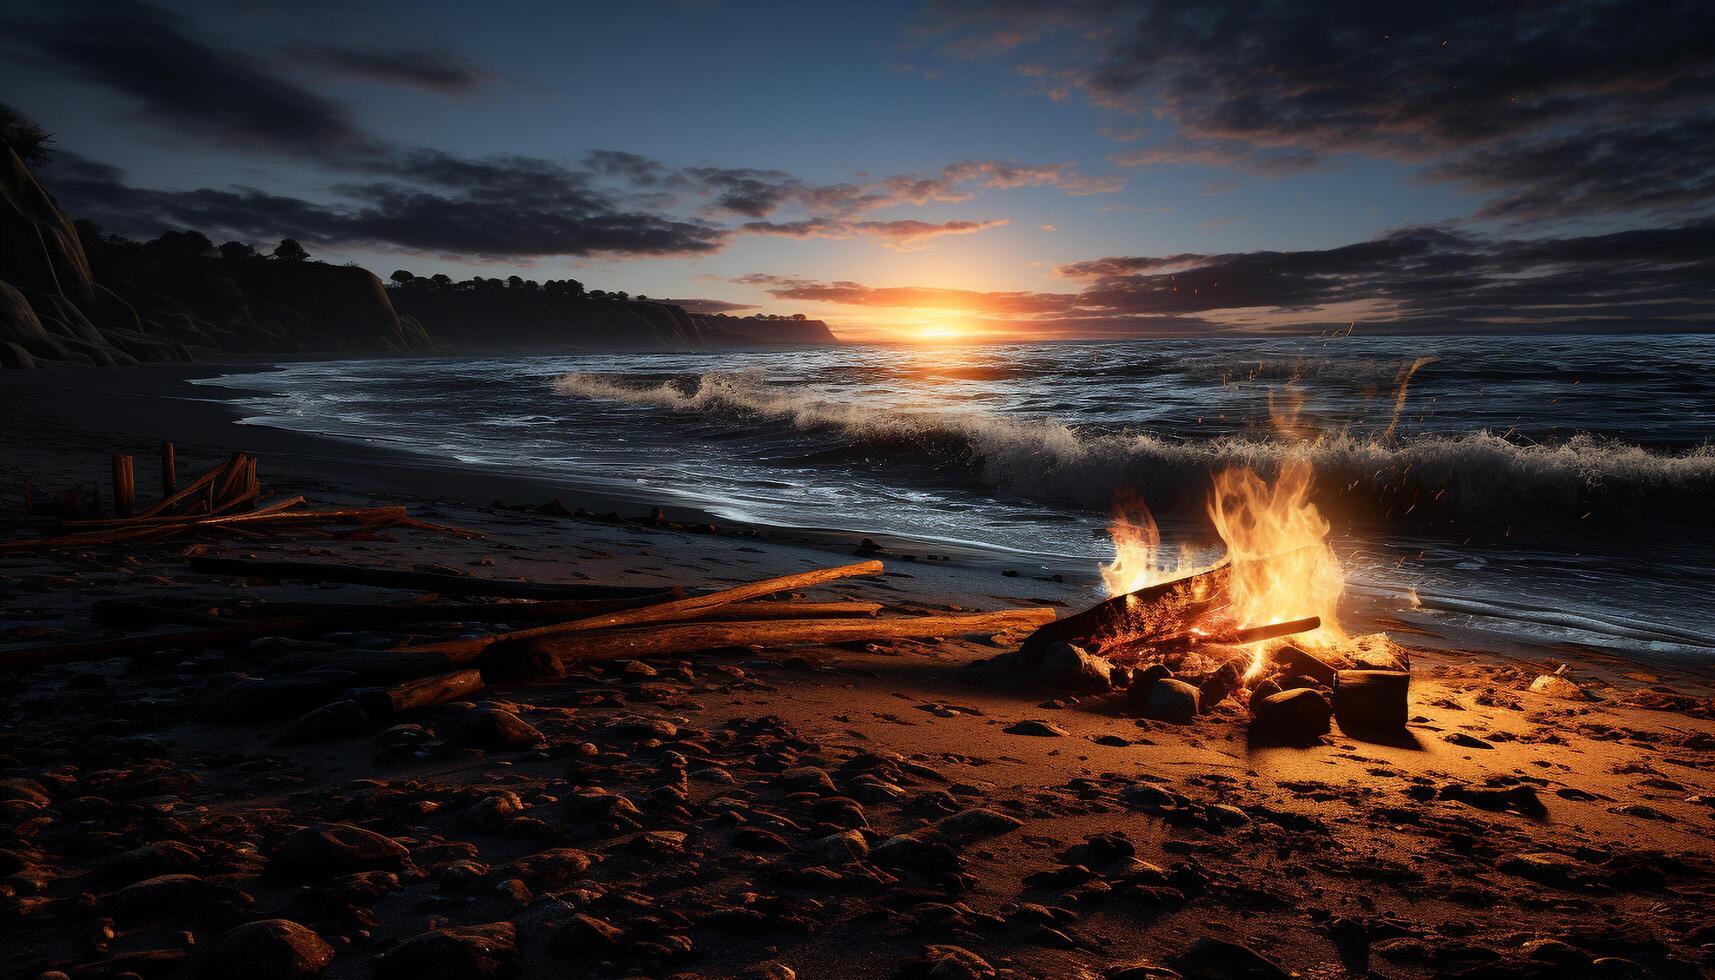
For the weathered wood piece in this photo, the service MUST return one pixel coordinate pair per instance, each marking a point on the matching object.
(662, 612)
(424, 692)
(187, 492)
(553, 654)
(169, 471)
(1371, 700)
(394, 578)
(789, 610)
(124, 484)
(188, 519)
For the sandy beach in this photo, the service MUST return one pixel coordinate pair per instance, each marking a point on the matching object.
(892, 808)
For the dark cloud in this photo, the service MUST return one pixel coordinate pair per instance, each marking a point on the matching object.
(905, 235)
(1533, 102)
(477, 221)
(179, 81)
(1415, 280)
(434, 71)
(745, 192)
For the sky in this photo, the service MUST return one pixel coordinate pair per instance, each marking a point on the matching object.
(953, 169)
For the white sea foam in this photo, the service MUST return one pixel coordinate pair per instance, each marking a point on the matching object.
(1473, 471)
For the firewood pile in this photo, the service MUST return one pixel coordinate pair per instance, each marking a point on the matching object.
(578, 625)
(226, 500)
(1172, 655)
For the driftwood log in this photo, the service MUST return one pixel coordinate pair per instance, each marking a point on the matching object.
(392, 578)
(472, 648)
(1184, 599)
(552, 655)
(424, 692)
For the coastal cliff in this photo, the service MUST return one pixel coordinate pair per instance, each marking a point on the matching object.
(73, 295)
(721, 328)
(51, 309)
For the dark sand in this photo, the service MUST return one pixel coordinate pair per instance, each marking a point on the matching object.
(830, 811)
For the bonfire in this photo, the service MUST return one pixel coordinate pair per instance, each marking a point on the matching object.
(1269, 606)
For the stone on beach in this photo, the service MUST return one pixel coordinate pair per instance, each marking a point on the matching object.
(978, 822)
(1298, 714)
(1034, 726)
(1218, 959)
(1166, 699)
(314, 853)
(476, 952)
(1071, 668)
(271, 949)
(1558, 686)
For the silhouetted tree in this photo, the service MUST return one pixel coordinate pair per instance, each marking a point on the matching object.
(290, 251)
(514, 282)
(27, 139)
(237, 251)
(403, 277)
(181, 245)
(441, 280)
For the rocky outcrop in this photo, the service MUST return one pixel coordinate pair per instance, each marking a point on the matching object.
(39, 248)
(52, 311)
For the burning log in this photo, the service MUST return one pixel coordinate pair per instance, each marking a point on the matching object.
(393, 578)
(1159, 610)
(470, 649)
(553, 655)
(1231, 637)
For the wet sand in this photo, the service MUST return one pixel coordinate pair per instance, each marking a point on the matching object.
(828, 811)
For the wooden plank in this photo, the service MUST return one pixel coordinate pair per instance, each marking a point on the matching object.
(169, 471)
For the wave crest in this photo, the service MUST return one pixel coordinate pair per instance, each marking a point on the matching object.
(1473, 473)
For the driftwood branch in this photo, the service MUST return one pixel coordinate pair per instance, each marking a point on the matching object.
(551, 655)
(392, 578)
(686, 608)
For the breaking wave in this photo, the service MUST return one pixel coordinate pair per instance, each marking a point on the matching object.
(1475, 473)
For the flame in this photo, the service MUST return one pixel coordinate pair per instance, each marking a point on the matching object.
(1282, 564)
(1139, 561)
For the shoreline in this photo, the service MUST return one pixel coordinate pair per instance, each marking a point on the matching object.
(177, 412)
(139, 406)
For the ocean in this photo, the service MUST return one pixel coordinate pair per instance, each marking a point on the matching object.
(1554, 487)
